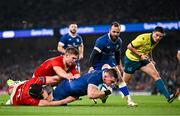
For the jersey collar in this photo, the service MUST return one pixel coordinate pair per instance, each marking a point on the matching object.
(72, 35)
(152, 41)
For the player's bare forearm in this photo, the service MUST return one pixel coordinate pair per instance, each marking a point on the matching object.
(62, 73)
(90, 69)
(56, 103)
(61, 49)
(93, 92)
(134, 50)
(81, 52)
(76, 75)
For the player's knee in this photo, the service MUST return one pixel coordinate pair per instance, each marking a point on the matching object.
(155, 76)
(126, 79)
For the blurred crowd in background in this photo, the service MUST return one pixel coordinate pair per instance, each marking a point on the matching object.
(19, 58)
(56, 13)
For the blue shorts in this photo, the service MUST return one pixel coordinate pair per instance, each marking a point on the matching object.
(131, 66)
(99, 64)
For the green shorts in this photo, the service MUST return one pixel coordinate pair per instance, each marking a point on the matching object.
(131, 66)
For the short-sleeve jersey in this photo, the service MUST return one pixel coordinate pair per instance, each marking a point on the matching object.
(20, 95)
(67, 40)
(77, 87)
(143, 44)
(46, 68)
(107, 48)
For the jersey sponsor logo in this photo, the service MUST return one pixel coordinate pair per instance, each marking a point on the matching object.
(117, 46)
(77, 40)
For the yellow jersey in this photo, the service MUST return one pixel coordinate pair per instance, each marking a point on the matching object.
(143, 44)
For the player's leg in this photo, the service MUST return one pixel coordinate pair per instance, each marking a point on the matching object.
(122, 85)
(129, 69)
(126, 78)
(151, 70)
(11, 83)
(12, 87)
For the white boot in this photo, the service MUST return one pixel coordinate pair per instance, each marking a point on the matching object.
(131, 103)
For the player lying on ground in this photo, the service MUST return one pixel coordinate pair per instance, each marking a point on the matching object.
(87, 84)
(31, 92)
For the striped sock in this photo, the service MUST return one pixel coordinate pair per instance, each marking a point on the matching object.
(123, 88)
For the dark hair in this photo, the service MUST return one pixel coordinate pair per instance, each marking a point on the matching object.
(35, 91)
(159, 29)
(72, 23)
(112, 72)
(72, 50)
(115, 24)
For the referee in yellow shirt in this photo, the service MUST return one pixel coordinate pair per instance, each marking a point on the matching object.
(138, 57)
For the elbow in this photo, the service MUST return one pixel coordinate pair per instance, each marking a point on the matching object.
(129, 46)
(58, 49)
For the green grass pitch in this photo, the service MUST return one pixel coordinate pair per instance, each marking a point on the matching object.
(115, 106)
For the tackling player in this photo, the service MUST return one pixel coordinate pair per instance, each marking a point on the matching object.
(57, 68)
(31, 92)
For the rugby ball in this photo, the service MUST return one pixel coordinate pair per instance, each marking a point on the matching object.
(102, 87)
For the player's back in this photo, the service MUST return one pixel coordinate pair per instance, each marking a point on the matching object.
(46, 68)
(79, 86)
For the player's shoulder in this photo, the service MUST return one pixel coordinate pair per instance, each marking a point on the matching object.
(145, 35)
(119, 40)
(103, 38)
(97, 72)
(79, 36)
(60, 57)
(65, 35)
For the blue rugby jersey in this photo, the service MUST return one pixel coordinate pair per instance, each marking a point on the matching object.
(107, 48)
(77, 87)
(67, 40)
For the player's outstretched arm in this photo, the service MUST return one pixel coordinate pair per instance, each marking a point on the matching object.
(56, 103)
(81, 51)
(62, 73)
(61, 49)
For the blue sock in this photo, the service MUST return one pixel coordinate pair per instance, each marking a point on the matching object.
(162, 88)
(124, 89)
